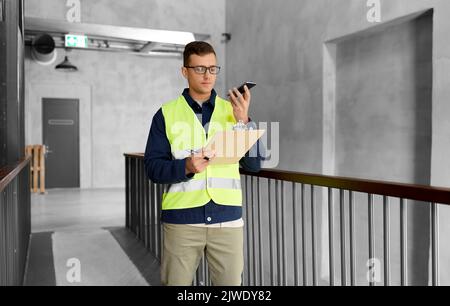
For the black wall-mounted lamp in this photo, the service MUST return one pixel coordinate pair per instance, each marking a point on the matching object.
(66, 65)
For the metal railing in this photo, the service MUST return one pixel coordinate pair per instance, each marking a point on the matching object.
(295, 234)
(15, 222)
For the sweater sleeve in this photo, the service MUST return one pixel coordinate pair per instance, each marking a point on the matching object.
(160, 167)
(252, 160)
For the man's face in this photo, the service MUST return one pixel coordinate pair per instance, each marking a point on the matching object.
(201, 83)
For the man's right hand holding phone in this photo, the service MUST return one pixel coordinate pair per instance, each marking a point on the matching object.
(240, 103)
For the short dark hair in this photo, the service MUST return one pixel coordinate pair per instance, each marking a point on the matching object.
(198, 48)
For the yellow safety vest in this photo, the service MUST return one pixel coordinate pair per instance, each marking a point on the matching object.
(221, 183)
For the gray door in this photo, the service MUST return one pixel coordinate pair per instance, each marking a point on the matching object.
(61, 136)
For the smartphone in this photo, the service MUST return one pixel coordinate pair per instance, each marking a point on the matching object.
(249, 85)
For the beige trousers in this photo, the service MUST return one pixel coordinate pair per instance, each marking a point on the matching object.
(183, 249)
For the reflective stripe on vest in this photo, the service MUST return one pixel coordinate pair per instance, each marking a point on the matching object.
(213, 182)
(182, 154)
(221, 183)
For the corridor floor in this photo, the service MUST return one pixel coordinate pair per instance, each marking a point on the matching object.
(79, 239)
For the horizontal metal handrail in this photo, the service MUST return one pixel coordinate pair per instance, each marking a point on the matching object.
(15, 221)
(384, 188)
(10, 172)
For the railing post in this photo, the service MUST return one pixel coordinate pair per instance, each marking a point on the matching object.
(139, 199)
(279, 233)
(331, 235)
(261, 247)
(386, 238)
(146, 208)
(403, 243)
(158, 222)
(127, 192)
(352, 239)
(294, 224)
(247, 225)
(153, 225)
(371, 233)
(343, 246)
(313, 236)
(3, 264)
(283, 235)
(435, 243)
(132, 195)
(304, 268)
(272, 282)
(253, 234)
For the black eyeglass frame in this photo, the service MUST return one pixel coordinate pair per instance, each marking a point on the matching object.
(204, 69)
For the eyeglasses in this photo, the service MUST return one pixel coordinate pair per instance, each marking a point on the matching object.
(202, 69)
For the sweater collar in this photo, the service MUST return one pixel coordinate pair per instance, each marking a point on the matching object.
(192, 102)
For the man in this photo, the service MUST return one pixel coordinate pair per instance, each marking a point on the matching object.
(202, 208)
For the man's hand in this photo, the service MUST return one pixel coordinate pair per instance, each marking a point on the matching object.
(198, 162)
(241, 103)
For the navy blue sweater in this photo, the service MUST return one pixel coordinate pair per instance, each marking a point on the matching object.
(162, 169)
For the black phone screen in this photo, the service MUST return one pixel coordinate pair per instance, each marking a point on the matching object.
(249, 85)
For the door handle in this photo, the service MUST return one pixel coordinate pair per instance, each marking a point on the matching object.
(47, 150)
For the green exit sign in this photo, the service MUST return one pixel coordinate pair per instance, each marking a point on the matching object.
(76, 41)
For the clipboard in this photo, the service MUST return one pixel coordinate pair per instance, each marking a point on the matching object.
(231, 146)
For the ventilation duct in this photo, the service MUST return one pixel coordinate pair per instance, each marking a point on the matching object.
(43, 49)
(139, 41)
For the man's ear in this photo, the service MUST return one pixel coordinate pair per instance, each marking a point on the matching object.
(184, 72)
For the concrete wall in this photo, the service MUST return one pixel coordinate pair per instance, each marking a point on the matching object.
(383, 103)
(119, 93)
(282, 47)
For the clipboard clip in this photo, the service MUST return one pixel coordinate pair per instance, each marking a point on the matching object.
(198, 151)
(240, 126)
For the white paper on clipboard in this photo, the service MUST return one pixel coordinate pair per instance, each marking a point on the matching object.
(231, 146)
